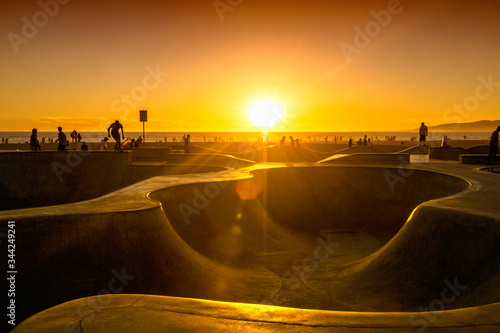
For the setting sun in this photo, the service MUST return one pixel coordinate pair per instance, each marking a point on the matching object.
(265, 114)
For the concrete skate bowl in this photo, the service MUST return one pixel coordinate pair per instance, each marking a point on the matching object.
(37, 179)
(327, 238)
(274, 220)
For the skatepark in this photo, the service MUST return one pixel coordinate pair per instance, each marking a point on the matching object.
(355, 243)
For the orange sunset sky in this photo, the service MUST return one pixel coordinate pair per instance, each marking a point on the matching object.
(200, 65)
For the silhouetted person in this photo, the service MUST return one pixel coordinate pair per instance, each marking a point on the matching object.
(423, 132)
(187, 144)
(365, 141)
(104, 144)
(360, 142)
(326, 139)
(297, 146)
(34, 144)
(282, 142)
(137, 142)
(444, 141)
(84, 146)
(292, 142)
(131, 144)
(79, 137)
(73, 136)
(61, 138)
(492, 156)
(115, 128)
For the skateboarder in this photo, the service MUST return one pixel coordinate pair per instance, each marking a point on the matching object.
(115, 127)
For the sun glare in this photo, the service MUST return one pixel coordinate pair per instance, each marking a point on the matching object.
(265, 114)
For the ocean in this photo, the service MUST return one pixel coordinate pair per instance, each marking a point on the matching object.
(23, 137)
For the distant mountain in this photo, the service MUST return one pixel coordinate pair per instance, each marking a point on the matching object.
(475, 126)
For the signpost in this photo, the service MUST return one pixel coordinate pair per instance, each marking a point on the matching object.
(143, 116)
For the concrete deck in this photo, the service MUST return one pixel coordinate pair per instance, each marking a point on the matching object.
(344, 248)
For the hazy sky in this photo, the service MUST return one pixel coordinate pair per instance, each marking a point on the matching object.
(199, 65)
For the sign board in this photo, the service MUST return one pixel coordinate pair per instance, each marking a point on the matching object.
(143, 115)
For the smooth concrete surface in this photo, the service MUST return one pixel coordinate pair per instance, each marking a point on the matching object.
(146, 313)
(311, 237)
(371, 158)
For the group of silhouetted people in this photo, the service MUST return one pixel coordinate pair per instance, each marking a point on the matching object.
(63, 142)
(294, 144)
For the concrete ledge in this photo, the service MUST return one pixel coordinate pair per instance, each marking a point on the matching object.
(227, 161)
(368, 158)
(447, 154)
(484, 149)
(146, 313)
(495, 169)
(166, 155)
(473, 159)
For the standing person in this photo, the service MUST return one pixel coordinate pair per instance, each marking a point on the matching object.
(423, 132)
(104, 144)
(138, 142)
(61, 138)
(187, 144)
(115, 128)
(492, 156)
(282, 142)
(34, 144)
(79, 137)
(297, 146)
(73, 136)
